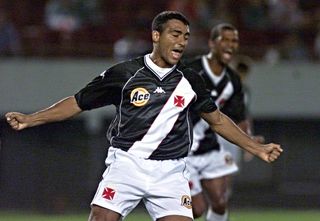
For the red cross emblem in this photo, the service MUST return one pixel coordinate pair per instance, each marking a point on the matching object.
(179, 101)
(108, 193)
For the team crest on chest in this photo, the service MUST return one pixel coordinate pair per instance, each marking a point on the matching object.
(139, 97)
(179, 101)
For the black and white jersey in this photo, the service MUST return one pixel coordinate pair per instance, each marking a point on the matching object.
(226, 90)
(152, 106)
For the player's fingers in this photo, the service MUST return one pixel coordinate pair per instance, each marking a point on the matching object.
(276, 147)
(13, 122)
(279, 148)
(276, 151)
(10, 116)
(272, 158)
(274, 155)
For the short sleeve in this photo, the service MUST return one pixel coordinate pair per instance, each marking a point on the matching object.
(204, 102)
(235, 108)
(103, 90)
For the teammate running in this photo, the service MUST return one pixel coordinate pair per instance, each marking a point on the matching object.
(210, 165)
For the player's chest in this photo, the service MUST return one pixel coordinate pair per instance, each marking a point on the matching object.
(223, 88)
(146, 91)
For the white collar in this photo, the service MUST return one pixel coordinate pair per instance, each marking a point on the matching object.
(214, 77)
(159, 71)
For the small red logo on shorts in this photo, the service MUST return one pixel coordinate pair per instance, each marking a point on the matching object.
(108, 193)
(190, 185)
(179, 101)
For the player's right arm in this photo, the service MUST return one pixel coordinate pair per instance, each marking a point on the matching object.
(59, 111)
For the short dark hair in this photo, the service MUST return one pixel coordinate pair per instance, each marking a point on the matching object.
(216, 30)
(163, 17)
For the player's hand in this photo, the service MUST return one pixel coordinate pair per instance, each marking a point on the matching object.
(17, 121)
(270, 152)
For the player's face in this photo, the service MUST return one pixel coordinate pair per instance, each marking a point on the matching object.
(225, 46)
(170, 44)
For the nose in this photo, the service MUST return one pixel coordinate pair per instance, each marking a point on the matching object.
(183, 41)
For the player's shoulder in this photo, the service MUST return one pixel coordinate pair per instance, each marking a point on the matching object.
(185, 68)
(189, 73)
(127, 66)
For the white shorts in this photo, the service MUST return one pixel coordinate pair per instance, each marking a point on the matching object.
(235, 151)
(210, 165)
(162, 185)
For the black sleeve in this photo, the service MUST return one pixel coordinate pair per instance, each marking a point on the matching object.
(103, 90)
(204, 102)
(235, 108)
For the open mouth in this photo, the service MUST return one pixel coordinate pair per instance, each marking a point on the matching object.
(177, 53)
(227, 54)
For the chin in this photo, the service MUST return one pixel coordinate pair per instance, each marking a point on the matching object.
(172, 62)
(225, 62)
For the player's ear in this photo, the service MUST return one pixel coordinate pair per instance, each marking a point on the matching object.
(155, 36)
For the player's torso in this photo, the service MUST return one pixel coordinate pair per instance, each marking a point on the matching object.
(222, 88)
(151, 121)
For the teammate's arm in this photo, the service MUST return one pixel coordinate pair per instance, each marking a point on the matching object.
(59, 111)
(225, 127)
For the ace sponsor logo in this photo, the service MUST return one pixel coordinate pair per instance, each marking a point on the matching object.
(139, 97)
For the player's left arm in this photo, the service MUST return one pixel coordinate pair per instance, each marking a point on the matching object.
(224, 126)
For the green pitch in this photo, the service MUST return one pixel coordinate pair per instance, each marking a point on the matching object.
(236, 215)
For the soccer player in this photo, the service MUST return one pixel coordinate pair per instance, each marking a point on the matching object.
(151, 133)
(209, 163)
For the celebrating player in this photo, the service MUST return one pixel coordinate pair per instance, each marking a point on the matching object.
(209, 163)
(151, 133)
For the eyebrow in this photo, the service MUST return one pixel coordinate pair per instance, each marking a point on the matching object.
(180, 32)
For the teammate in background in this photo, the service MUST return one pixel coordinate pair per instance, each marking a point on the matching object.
(210, 165)
(242, 65)
(151, 130)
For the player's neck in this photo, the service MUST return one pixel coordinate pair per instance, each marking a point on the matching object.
(156, 59)
(215, 66)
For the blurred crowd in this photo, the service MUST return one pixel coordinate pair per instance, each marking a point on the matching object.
(270, 30)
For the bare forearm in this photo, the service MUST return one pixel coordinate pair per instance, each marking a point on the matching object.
(225, 127)
(59, 111)
(245, 126)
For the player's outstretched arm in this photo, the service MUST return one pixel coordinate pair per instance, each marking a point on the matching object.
(225, 127)
(59, 111)
(246, 126)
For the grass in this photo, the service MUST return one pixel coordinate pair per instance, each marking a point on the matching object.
(236, 215)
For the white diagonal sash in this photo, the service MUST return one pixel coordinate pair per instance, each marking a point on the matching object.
(164, 122)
